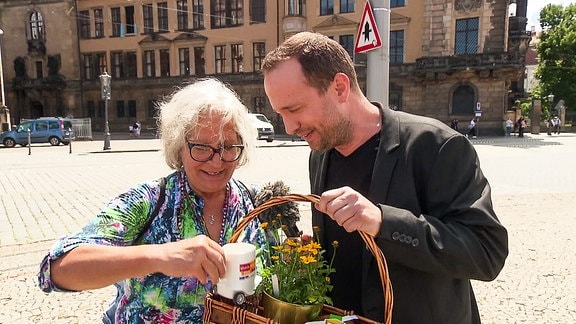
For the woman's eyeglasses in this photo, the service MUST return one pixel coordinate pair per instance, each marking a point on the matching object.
(203, 152)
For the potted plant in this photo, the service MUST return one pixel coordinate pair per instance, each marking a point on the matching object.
(295, 277)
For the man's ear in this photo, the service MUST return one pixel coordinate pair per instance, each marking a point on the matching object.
(342, 85)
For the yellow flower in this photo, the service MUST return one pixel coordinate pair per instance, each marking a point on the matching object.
(264, 225)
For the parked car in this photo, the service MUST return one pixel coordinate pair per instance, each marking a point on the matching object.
(53, 130)
(264, 127)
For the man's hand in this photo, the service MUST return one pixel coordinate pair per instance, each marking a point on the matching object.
(351, 210)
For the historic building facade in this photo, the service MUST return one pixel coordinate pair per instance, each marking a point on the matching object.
(446, 56)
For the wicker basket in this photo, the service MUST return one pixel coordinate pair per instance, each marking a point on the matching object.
(219, 310)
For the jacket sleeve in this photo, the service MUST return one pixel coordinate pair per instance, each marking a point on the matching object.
(442, 221)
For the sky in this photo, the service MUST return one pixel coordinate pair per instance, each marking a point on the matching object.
(534, 7)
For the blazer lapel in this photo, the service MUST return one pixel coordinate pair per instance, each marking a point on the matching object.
(387, 156)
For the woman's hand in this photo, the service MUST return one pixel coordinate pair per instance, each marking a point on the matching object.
(198, 257)
(351, 210)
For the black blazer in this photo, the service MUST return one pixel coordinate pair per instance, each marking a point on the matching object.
(439, 229)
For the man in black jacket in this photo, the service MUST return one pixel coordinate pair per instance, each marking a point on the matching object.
(411, 182)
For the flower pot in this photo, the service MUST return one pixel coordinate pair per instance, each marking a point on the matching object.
(288, 313)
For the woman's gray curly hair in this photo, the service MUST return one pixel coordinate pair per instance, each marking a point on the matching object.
(181, 115)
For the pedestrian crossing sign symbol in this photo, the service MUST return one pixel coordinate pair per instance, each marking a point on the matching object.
(368, 37)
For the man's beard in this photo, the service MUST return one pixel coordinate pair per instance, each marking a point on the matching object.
(335, 132)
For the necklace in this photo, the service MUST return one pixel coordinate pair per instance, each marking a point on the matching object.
(199, 215)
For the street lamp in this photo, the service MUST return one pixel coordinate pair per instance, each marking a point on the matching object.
(105, 79)
(4, 112)
(550, 102)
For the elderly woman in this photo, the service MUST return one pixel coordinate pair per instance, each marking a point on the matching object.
(160, 242)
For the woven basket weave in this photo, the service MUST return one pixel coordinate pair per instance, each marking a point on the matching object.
(370, 243)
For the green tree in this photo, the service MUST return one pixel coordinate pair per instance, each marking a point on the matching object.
(556, 49)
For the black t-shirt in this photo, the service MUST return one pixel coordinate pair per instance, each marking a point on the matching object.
(354, 171)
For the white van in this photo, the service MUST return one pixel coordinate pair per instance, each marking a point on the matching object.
(264, 127)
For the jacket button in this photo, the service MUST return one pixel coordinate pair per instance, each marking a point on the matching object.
(402, 238)
(408, 239)
(415, 242)
(395, 236)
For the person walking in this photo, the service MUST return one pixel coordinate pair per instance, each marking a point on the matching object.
(557, 123)
(411, 182)
(472, 128)
(509, 126)
(160, 241)
(454, 125)
(521, 122)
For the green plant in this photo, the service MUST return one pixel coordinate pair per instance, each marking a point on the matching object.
(296, 271)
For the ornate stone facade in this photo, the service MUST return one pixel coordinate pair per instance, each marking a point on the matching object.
(450, 55)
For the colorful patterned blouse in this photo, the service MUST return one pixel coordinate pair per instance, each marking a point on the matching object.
(156, 298)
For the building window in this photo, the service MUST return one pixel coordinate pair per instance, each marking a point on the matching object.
(346, 6)
(93, 65)
(163, 17)
(198, 14)
(148, 18)
(466, 36)
(199, 61)
(463, 100)
(88, 67)
(397, 3)
(120, 109)
(397, 46)
(116, 21)
(36, 26)
(130, 22)
(164, 62)
(237, 58)
(182, 14)
(258, 52)
(227, 13)
(84, 18)
(130, 67)
(98, 23)
(295, 7)
(132, 108)
(347, 41)
(220, 58)
(257, 11)
(184, 61)
(259, 103)
(91, 107)
(39, 70)
(326, 7)
(149, 64)
(117, 66)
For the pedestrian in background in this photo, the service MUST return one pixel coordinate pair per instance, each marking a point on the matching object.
(509, 126)
(409, 181)
(521, 122)
(472, 128)
(557, 123)
(454, 125)
(165, 257)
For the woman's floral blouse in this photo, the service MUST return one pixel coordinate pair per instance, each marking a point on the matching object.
(156, 298)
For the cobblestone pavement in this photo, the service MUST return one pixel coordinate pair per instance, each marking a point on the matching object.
(51, 192)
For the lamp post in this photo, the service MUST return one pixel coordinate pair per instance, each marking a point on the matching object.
(105, 79)
(550, 102)
(4, 112)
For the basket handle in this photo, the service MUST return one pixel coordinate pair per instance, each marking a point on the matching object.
(368, 239)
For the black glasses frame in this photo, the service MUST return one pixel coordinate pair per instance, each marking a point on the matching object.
(214, 151)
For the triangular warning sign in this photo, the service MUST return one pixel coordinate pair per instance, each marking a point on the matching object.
(368, 37)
